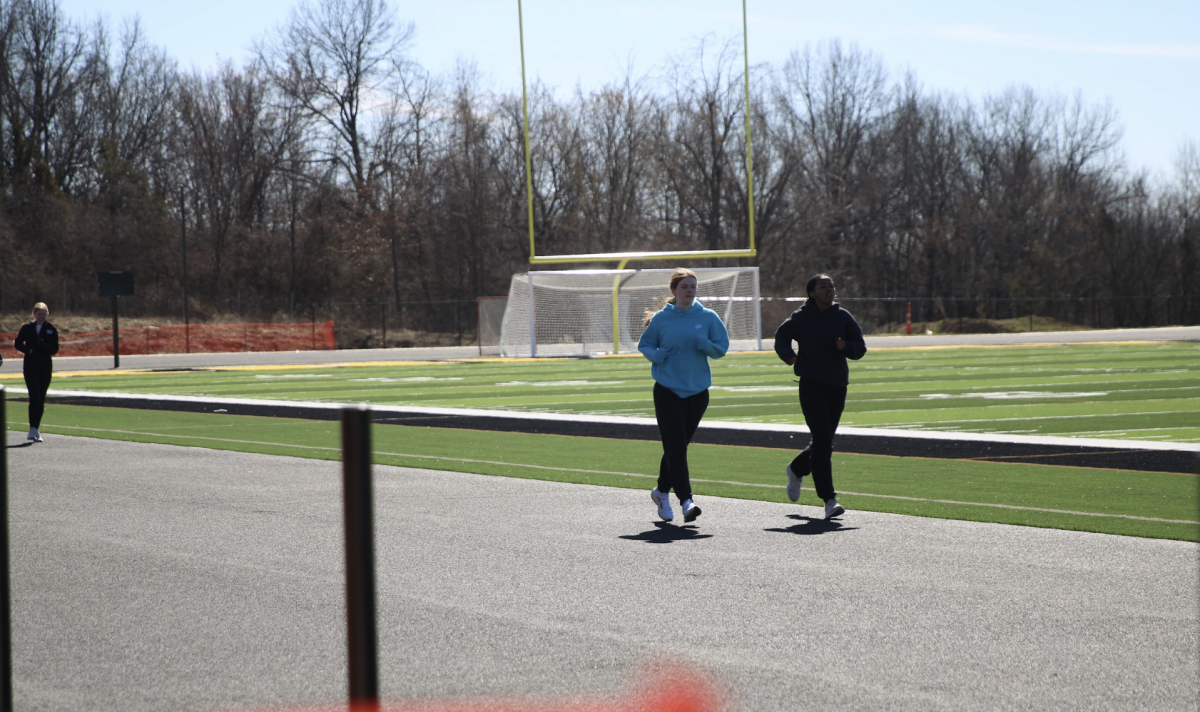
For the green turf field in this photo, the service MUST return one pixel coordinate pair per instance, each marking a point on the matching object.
(1108, 501)
(1144, 391)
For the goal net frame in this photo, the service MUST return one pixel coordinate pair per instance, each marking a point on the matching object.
(580, 312)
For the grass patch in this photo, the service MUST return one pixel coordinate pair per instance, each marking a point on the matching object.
(1127, 391)
(1155, 505)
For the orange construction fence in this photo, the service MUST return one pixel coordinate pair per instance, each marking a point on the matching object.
(194, 338)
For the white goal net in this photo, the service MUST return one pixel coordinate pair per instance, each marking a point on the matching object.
(575, 312)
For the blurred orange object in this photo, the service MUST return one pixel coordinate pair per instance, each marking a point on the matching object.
(665, 688)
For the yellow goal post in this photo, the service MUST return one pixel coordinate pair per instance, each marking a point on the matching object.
(624, 258)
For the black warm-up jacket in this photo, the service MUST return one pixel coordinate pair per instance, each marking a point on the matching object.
(38, 348)
(817, 332)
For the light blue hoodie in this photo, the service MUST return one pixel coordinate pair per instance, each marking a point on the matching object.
(680, 343)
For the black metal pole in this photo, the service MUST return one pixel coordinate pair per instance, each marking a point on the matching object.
(187, 341)
(116, 336)
(6, 694)
(360, 556)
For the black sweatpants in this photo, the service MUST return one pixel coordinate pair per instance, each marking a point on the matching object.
(677, 419)
(37, 380)
(822, 406)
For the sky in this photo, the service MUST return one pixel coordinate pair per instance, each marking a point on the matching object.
(1143, 57)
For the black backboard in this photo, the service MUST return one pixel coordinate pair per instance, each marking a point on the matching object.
(116, 284)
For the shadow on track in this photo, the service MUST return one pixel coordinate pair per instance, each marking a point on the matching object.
(812, 525)
(664, 533)
(24, 444)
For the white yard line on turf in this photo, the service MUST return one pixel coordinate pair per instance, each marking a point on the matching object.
(439, 458)
(924, 423)
(910, 432)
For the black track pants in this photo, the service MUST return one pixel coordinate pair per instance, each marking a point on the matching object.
(37, 380)
(677, 421)
(822, 406)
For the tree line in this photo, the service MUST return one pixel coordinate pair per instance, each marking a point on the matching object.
(332, 166)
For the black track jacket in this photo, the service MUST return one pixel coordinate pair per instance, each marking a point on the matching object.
(38, 348)
(817, 333)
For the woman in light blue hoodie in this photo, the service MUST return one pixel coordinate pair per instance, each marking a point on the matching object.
(679, 340)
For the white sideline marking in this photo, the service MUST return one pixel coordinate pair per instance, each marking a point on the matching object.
(1033, 417)
(440, 458)
(1013, 395)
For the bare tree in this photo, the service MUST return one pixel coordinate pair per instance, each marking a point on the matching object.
(1187, 166)
(614, 153)
(133, 94)
(46, 65)
(235, 143)
(776, 214)
(334, 58)
(471, 238)
(699, 147)
(410, 143)
(835, 102)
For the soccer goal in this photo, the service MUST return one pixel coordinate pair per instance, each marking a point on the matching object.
(586, 312)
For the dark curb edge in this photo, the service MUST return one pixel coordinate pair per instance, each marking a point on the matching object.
(1171, 461)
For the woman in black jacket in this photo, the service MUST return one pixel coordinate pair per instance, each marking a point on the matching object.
(38, 340)
(826, 335)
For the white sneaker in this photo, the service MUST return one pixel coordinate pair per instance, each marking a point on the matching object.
(690, 510)
(833, 509)
(793, 486)
(34, 435)
(663, 502)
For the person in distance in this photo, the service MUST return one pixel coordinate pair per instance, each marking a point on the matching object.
(826, 335)
(679, 340)
(38, 340)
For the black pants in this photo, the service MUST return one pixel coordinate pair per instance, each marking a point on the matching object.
(37, 380)
(677, 419)
(822, 406)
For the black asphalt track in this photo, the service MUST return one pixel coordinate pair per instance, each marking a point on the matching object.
(153, 577)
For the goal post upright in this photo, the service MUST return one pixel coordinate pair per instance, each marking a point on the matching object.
(616, 308)
(749, 152)
(525, 114)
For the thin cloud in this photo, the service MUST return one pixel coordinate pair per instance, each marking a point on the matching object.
(976, 34)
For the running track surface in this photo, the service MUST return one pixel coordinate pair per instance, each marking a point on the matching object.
(154, 577)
